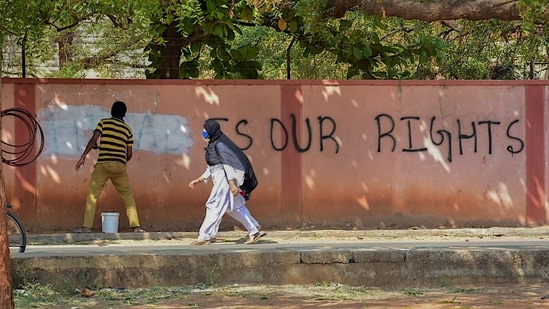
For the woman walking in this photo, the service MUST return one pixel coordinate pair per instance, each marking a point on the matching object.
(233, 180)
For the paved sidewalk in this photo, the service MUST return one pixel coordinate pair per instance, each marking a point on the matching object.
(360, 257)
(296, 235)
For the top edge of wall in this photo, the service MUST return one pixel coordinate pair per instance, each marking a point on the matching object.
(277, 82)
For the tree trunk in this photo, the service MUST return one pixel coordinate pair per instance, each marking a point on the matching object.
(431, 10)
(171, 52)
(65, 48)
(6, 294)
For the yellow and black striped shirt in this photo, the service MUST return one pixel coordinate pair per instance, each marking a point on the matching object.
(116, 135)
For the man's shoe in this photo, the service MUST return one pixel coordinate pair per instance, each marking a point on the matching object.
(82, 229)
(138, 229)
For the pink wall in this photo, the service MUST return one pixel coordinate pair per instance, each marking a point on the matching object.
(342, 154)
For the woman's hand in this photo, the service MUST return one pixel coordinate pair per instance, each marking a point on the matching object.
(234, 189)
(194, 182)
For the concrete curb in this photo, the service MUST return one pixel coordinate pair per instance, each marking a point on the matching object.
(361, 258)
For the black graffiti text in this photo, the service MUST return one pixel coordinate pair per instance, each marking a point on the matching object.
(323, 130)
(466, 132)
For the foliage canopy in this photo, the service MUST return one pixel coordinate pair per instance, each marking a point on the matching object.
(307, 39)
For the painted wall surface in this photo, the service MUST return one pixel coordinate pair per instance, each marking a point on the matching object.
(328, 154)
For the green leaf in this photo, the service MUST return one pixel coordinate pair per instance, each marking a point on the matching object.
(357, 53)
(210, 6)
(247, 69)
(218, 30)
(367, 51)
(345, 25)
(223, 54)
(217, 65)
(293, 26)
(237, 55)
(189, 69)
(246, 13)
(230, 36)
(248, 52)
(196, 46)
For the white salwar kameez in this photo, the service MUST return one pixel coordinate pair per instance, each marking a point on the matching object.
(222, 201)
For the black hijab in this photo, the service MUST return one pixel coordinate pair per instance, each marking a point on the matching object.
(213, 154)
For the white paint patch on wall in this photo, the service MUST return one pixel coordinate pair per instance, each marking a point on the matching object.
(67, 130)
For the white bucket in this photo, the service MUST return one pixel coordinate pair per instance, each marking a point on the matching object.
(109, 221)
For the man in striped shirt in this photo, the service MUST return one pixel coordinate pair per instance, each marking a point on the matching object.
(115, 150)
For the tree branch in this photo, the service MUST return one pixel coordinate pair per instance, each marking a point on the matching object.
(433, 10)
(117, 24)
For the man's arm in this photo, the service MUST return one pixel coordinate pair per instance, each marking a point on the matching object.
(129, 153)
(92, 143)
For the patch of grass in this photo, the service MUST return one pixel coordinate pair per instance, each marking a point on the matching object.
(36, 295)
(26, 273)
(443, 283)
(324, 284)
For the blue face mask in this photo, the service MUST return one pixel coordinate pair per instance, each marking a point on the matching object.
(205, 134)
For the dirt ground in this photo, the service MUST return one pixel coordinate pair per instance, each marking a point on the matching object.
(333, 296)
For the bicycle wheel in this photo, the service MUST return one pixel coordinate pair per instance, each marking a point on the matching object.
(16, 233)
